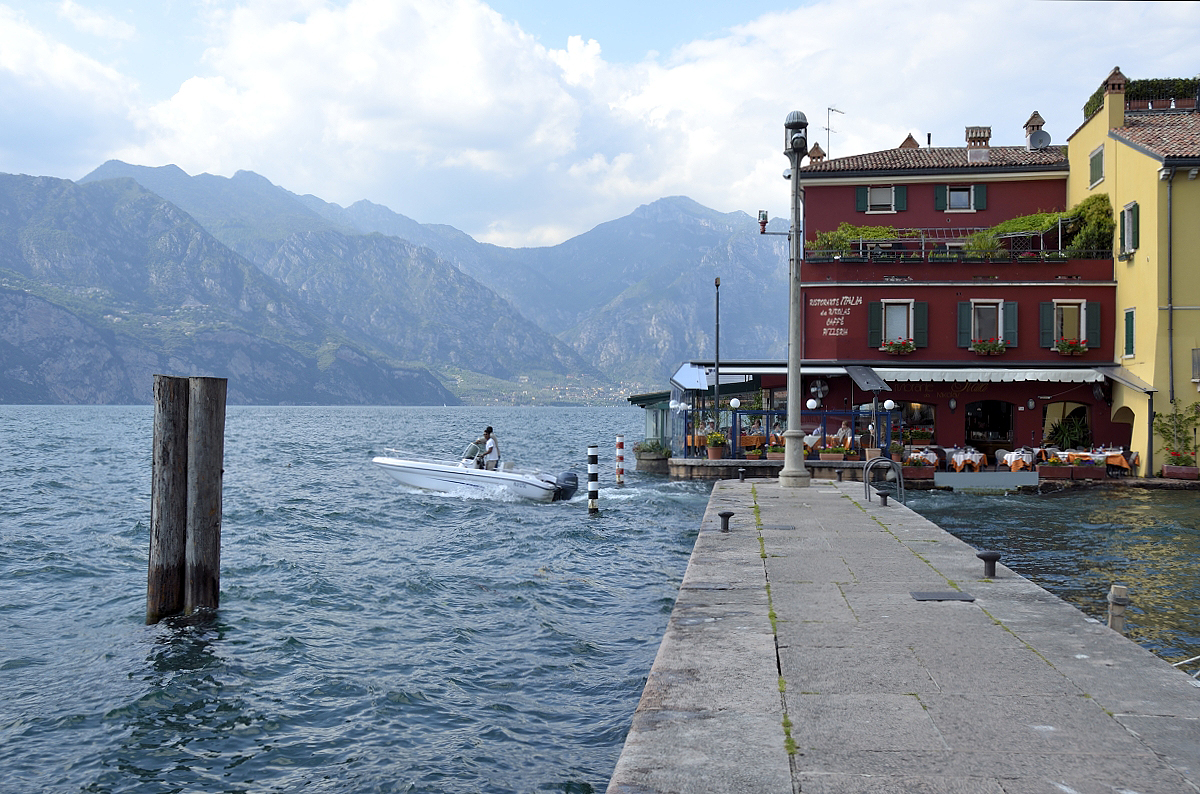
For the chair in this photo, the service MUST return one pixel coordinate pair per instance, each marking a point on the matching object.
(1000, 453)
(941, 456)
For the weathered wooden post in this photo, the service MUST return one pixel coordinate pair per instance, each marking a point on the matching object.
(168, 499)
(1118, 599)
(206, 458)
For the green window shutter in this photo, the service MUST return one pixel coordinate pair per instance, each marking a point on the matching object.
(980, 197)
(964, 323)
(860, 199)
(1010, 323)
(921, 323)
(1096, 166)
(900, 197)
(1128, 333)
(1092, 321)
(1046, 323)
(1121, 227)
(939, 197)
(1133, 227)
(875, 324)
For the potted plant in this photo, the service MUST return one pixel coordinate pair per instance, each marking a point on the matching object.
(1177, 429)
(716, 445)
(898, 347)
(651, 456)
(1054, 468)
(988, 347)
(774, 452)
(916, 467)
(1071, 347)
(832, 453)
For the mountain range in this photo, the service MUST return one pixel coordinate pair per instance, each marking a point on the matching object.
(134, 270)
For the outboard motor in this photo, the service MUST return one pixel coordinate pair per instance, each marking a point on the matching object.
(565, 486)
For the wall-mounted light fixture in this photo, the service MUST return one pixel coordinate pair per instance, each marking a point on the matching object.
(953, 404)
(1031, 403)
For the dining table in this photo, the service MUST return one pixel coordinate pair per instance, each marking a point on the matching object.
(964, 459)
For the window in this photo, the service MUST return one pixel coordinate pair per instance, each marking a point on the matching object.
(985, 318)
(1128, 351)
(898, 319)
(1096, 166)
(881, 198)
(1129, 228)
(1070, 319)
(959, 198)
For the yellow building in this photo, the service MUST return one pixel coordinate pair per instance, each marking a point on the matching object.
(1144, 153)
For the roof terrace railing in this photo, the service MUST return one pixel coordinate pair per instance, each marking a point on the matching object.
(872, 254)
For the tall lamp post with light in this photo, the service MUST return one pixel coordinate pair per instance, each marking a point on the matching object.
(795, 142)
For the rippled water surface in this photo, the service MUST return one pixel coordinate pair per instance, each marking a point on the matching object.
(369, 638)
(1078, 543)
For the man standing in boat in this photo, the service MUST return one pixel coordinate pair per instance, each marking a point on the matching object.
(491, 449)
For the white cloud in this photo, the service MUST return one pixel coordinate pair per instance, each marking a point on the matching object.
(94, 23)
(63, 109)
(448, 112)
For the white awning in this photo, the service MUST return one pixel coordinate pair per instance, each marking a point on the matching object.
(988, 375)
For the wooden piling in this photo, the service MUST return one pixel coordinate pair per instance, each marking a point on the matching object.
(1118, 600)
(168, 499)
(206, 457)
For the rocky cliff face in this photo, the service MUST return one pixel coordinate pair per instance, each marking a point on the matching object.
(104, 284)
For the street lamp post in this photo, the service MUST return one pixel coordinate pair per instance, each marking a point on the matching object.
(794, 474)
(717, 363)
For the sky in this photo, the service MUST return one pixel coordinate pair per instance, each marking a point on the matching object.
(527, 122)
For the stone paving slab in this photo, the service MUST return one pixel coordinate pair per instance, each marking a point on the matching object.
(808, 628)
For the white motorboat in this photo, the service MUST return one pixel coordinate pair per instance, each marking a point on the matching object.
(469, 475)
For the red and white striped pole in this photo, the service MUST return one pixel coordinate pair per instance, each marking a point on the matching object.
(620, 461)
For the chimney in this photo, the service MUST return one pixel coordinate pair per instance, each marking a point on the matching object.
(978, 144)
(1114, 97)
(1032, 128)
(910, 143)
(816, 154)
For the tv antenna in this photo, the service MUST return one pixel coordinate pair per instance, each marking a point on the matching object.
(828, 127)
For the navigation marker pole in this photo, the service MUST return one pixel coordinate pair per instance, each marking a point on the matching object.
(593, 481)
(620, 461)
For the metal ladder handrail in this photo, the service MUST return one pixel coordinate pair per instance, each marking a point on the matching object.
(891, 464)
(1188, 661)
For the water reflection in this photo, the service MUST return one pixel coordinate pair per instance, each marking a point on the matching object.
(1078, 543)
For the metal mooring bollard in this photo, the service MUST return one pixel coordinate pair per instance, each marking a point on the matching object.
(725, 516)
(883, 496)
(989, 563)
(741, 475)
(839, 474)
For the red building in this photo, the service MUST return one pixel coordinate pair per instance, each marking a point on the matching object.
(985, 348)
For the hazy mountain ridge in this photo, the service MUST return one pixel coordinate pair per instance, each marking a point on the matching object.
(627, 300)
(107, 283)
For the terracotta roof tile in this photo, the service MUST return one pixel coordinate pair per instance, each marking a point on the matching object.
(1164, 134)
(940, 157)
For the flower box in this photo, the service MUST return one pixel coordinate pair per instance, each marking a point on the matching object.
(918, 472)
(1181, 472)
(1089, 472)
(831, 455)
(774, 456)
(1054, 472)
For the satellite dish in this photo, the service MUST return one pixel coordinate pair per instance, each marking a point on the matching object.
(818, 388)
(1039, 139)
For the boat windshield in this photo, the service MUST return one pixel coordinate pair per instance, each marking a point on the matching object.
(473, 450)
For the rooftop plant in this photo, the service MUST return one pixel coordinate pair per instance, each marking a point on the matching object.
(846, 236)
